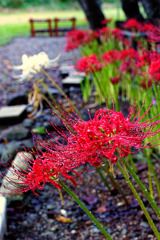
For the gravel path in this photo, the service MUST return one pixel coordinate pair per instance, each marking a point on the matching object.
(28, 45)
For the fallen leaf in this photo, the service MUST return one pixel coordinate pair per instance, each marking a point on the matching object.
(92, 199)
(101, 209)
(5, 142)
(63, 219)
(30, 115)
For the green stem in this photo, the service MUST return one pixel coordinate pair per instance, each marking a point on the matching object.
(130, 158)
(150, 221)
(114, 182)
(150, 176)
(61, 91)
(50, 95)
(77, 200)
(48, 102)
(54, 83)
(142, 187)
(155, 179)
(99, 84)
(103, 179)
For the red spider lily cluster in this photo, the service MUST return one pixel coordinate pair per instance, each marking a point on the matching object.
(154, 70)
(134, 25)
(111, 56)
(108, 135)
(145, 64)
(77, 38)
(89, 64)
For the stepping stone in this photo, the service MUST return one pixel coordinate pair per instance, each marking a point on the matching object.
(65, 70)
(3, 227)
(77, 74)
(12, 113)
(72, 81)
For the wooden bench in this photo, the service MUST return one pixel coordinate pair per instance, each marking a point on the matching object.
(52, 31)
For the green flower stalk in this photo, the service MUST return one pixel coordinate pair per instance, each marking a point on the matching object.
(150, 221)
(90, 215)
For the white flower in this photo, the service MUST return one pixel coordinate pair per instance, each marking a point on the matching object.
(33, 64)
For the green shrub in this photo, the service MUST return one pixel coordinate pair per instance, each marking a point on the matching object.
(32, 3)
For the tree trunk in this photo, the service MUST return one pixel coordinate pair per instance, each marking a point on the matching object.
(93, 13)
(152, 9)
(131, 9)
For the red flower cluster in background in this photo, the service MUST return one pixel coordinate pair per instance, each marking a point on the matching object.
(132, 24)
(89, 64)
(146, 83)
(154, 70)
(77, 38)
(111, 56)
(117, 34)
(148, 56)
(115, 80)
(106, 21)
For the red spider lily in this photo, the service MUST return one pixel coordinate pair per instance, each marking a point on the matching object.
(133, 24)
(110, 132)
(115, 80)
(106, 21)
(71, 150)
(75, 38)
(146, 83)
(154, 70)
(117, 34)
(148, 57)
(129, 54)
(127, 43)
(130, 59)
(154, 35)
(89, 64)
(91, 36)
(128, 67)
(107, 134)
(111, 56)
(147, 27)
(105, 31)
(70, 46)
(46, 167)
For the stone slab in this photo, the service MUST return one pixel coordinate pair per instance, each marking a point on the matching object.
(65, 70)
(12, 114)
(3, 228)
(77, 74)
(66, 67)
(12, 111)
(72, 81)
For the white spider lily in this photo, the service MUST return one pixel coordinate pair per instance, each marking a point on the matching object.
(33, 64)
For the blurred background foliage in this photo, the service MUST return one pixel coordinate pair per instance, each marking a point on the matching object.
(58, 4)
(15, 14)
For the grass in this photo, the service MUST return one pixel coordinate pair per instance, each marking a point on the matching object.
(16, 23)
